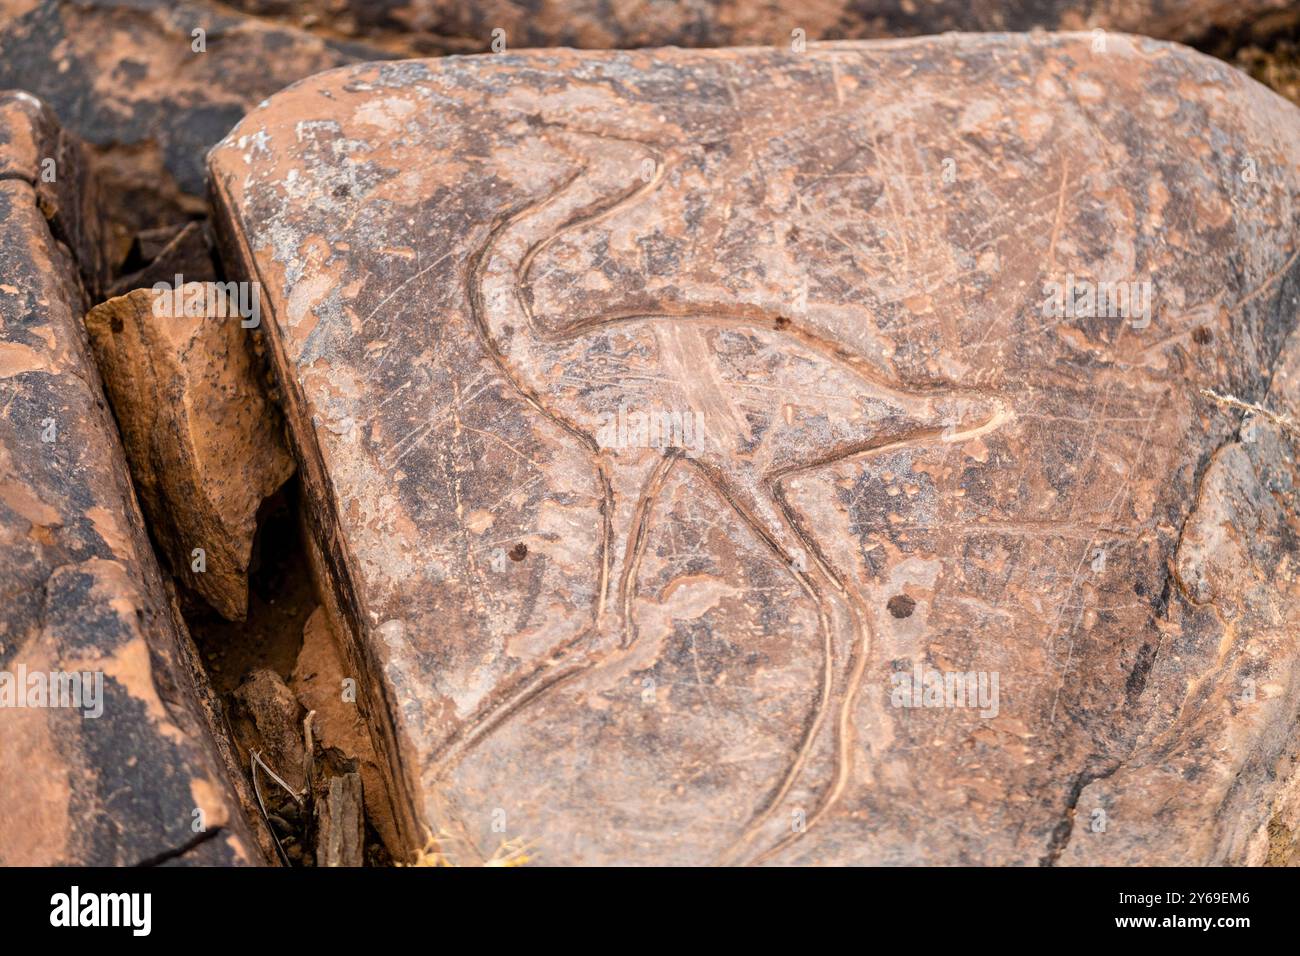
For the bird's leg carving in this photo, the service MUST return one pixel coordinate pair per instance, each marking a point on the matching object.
(769, 522)
(897, 416)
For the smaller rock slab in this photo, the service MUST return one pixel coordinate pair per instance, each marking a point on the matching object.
(203, 442)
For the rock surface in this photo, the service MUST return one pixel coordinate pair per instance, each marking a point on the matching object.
(159, 255)
(319, 682)
(340, 839)
(37, 151)
(1235, 568)
(140, 781)
(828, 276)
(125, 76)
(425, 26)
(203, 441)
(266, 717)
(151, 104)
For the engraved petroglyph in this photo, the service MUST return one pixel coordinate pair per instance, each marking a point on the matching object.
(679, 651)
(502, 312)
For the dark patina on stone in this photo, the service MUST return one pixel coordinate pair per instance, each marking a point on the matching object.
(127, 77)
(735, 348)
(130, 775)
(422, 27)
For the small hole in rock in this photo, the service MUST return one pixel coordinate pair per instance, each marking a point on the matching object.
(1201, 335)
(519, 552)
(900, 605)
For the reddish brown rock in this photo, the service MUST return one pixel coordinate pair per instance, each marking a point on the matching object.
(321, 682)
(267, 718)
(203, 441)
(159, 255)
(340, 826)
(426, 26)
(876, 452)
(1235, 567)
(127, 77)
(131, 775)
(36, 150)
(151, 104)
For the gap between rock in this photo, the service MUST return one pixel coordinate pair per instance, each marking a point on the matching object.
(282, 661)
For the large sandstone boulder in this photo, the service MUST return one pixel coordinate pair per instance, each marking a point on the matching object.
(105, 757)
(749, 456)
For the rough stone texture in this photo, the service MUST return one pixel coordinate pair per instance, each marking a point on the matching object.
(123, 76)
(159, 255)
(1237, 551)
(317, 682)
(151, 106)
(204, 444)
(424, 26)
(37, 151)
(684, 656)
(81, 591)
(265, 716)
(340, 826)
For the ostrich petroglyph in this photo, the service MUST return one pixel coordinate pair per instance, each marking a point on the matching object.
(746, 462)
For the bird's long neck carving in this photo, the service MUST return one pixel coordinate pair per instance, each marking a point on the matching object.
(608, 173)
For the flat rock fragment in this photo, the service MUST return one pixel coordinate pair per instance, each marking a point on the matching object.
(340, 824)
(104, 753)
(757, 457)
(203, 441)
(321, 683)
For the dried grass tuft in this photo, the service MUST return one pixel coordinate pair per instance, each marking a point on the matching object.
(514, 852)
